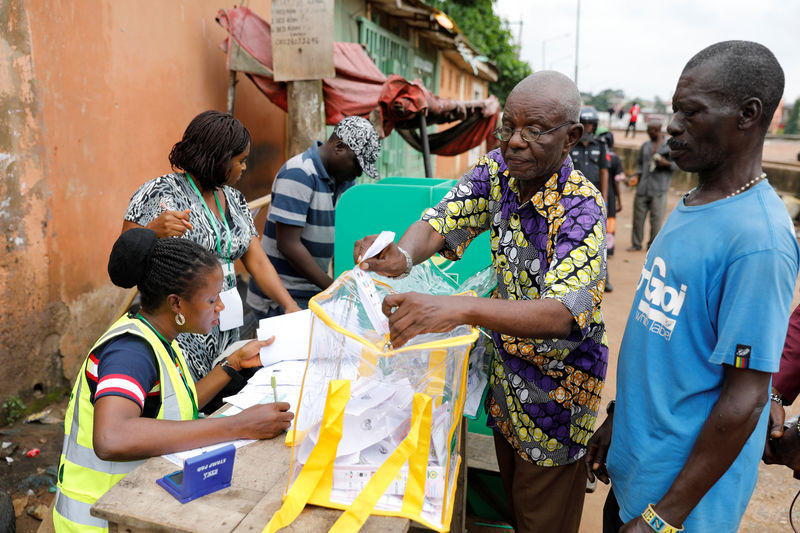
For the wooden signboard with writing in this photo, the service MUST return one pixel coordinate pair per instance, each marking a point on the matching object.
(302, 39)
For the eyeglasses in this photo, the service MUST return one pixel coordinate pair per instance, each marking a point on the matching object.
(528, 133)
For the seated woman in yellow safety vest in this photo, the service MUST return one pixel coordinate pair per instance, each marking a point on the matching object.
(133, 397)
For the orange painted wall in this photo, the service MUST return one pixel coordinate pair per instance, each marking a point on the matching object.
(456, 84)
(101, 91)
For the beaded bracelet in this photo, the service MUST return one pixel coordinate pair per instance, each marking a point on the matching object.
(656, 523)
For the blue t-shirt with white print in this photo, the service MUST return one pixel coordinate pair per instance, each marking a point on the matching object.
(716, 289)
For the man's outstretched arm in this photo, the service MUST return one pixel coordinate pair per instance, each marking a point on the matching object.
(721, 439)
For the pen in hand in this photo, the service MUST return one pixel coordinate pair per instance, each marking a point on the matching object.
(274, 388)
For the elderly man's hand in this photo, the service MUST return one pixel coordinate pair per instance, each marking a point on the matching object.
(390, 262)
(411, 314)
(597, 451)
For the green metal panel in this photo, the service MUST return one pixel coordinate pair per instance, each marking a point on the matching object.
(394, 204)
(395, 55)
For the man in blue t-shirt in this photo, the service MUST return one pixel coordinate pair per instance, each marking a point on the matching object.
(299, 232)
(684, 439)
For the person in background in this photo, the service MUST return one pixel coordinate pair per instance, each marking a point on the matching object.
(652, 180)
(683, 441)
(299, 232)
(547, 225)
(634, 112)
(201, 204)
(615, 174)
(783, 443)
(134, 397)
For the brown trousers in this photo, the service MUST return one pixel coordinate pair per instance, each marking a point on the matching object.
(542, 498)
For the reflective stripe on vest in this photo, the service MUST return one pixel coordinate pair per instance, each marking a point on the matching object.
(84, 477)
(76, 511)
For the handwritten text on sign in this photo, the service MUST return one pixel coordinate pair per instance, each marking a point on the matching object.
(302, 39)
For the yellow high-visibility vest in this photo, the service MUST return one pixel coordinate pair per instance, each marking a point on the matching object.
(82, 476)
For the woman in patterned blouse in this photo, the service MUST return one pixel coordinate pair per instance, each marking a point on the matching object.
(200, 204)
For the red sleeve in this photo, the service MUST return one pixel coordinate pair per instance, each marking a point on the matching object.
(125, 368)
(787, 380)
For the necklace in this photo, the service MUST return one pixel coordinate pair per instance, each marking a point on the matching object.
(747, 185)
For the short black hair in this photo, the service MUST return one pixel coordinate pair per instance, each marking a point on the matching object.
(746, 69)
(209, 143)
(159, 267)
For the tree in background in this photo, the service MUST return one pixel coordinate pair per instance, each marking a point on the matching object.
(604, 100)
(484, 29)
(793, 122)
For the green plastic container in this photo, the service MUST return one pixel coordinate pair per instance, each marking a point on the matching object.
(393, 204)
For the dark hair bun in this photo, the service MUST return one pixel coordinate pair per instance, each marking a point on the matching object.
(130, 257)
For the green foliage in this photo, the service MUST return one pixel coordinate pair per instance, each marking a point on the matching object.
(603, 100)
(793, 122)
(14, 408)
(486, 31)
(659, 105)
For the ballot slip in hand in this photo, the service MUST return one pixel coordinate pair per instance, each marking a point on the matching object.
(369, 299)
(384, 239)
(292, 337)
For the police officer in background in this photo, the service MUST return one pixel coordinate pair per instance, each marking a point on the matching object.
(589, 156)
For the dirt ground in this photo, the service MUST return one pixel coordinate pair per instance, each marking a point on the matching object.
(29, 479)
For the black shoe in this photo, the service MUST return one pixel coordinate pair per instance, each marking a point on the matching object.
(634, 249)
(609, 287)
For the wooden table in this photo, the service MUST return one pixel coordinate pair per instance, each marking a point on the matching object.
(261, 471)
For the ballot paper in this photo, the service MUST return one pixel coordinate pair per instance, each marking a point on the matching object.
(292, 336)
(384, 239)
(369, 299)
(178, 458)
(366, 285)
(232, 316)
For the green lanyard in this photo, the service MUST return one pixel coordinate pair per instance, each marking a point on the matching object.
(181, 370)
(213, 220)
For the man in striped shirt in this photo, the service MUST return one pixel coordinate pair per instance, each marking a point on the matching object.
(299, 232)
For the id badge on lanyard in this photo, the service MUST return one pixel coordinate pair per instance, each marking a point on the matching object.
(233, 315)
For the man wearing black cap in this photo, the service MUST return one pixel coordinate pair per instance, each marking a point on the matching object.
(299, 232)
(589, 155)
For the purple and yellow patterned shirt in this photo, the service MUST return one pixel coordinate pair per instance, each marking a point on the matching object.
(544, 393)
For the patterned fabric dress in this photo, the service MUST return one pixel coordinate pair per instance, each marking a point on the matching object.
(544, 393)
(176, 193)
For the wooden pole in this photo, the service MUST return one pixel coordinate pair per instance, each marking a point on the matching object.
(231, 90)
(426, 148)
(306, 114)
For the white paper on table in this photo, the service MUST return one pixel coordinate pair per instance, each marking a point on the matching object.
(233, 314)
(384, 239)
(285, 372)
(368, 295)
(292, 337)
(178, 458)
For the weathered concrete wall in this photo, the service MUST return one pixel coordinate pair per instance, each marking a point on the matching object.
(457, 84)
(784, 178)
(93, 95)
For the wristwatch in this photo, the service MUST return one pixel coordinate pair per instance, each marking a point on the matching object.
(409, 264)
